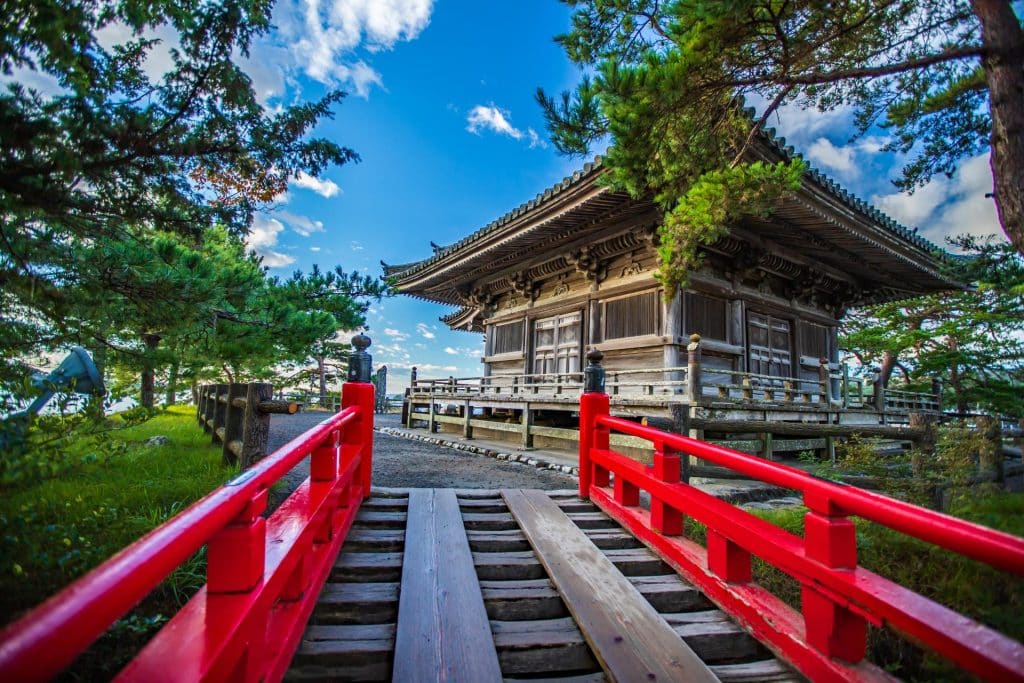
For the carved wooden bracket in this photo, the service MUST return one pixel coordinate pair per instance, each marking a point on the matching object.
(587, 263)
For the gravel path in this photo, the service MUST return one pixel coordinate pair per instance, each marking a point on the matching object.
(405, 463)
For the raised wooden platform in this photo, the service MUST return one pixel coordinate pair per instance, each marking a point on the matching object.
(475, 585)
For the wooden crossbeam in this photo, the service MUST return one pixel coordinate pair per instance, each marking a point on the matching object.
(443, 633)
(628, 637)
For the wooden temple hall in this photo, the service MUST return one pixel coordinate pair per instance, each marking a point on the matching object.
(751, 338)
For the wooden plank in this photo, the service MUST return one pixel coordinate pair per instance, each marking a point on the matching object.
(513, 539)
(710, 634)
(538, 599)
(367, 567)
(756, 672)
(625, 633)
(443, 631)
(371, 519)
(496, 504)
(361, 653)
(374, 540)
(356, 603)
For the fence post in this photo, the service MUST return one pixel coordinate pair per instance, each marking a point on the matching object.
(234, 424)
(593, 402)
(694, 388)
(831, 539)
(667, 468)
(826, 381)
(358, 391)
(878, 398)
(219, 410)
(846, 385)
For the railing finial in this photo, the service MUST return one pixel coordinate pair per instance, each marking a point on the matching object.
(360, 364)
(593, 376)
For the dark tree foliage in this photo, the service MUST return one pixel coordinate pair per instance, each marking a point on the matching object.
(973, 341)
(110, 187)
(945, 76)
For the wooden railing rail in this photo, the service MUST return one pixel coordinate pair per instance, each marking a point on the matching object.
(263, 575)
(826, 639)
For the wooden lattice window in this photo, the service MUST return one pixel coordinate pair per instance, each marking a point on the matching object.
(814, 340)
(631, 316)
(507, 338)
(707, 316)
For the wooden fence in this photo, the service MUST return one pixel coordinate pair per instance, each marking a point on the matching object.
(238, 417)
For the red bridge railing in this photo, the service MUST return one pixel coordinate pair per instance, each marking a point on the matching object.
(263, 574)
(827, 639)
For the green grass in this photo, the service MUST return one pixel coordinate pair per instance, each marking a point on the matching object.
(104, 492)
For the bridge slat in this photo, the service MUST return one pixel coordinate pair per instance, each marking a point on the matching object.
(442, 623)
(627, 635)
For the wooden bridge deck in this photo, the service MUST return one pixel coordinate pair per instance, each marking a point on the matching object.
(476, 585)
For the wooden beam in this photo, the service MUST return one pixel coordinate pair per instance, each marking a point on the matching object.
(443, 631)
(628, 637)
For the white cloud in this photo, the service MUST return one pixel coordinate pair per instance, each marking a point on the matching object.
(362, 77)
(492, 118)
(314, 249)
(262, 236)
(321, 37)
(839, 159)
(947, 207)
(324, 188)
(450, 351)
(397, 334)
(424, 331)
(355, 246)
(302, 225)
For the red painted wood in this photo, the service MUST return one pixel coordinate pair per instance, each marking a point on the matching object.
(840, 598)
(247, 621)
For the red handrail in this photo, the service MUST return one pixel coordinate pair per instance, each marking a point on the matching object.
(827, 639)
(246, 574)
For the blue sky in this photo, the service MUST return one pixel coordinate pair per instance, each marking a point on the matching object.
(441, 109)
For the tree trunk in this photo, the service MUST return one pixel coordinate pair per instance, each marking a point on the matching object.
(172, 383)
(321, 366)
(1003, 39)
(148, 380)
(886, 368)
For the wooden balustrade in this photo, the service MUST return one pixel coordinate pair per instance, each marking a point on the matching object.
(237, 416)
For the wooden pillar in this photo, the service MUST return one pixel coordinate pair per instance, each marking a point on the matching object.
(825, 380)
(990, 455)
(766, 447)
(694, 387)
(526, 424)
(467, 417)
(924, 446)
(846, 385)
(879, 392)
(672, 314)
(681, 425)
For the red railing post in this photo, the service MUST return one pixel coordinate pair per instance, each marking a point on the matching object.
(727, 559)
(358, 391)
(667, 468)
(593, 402)
(235, 554)
(831, 538)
